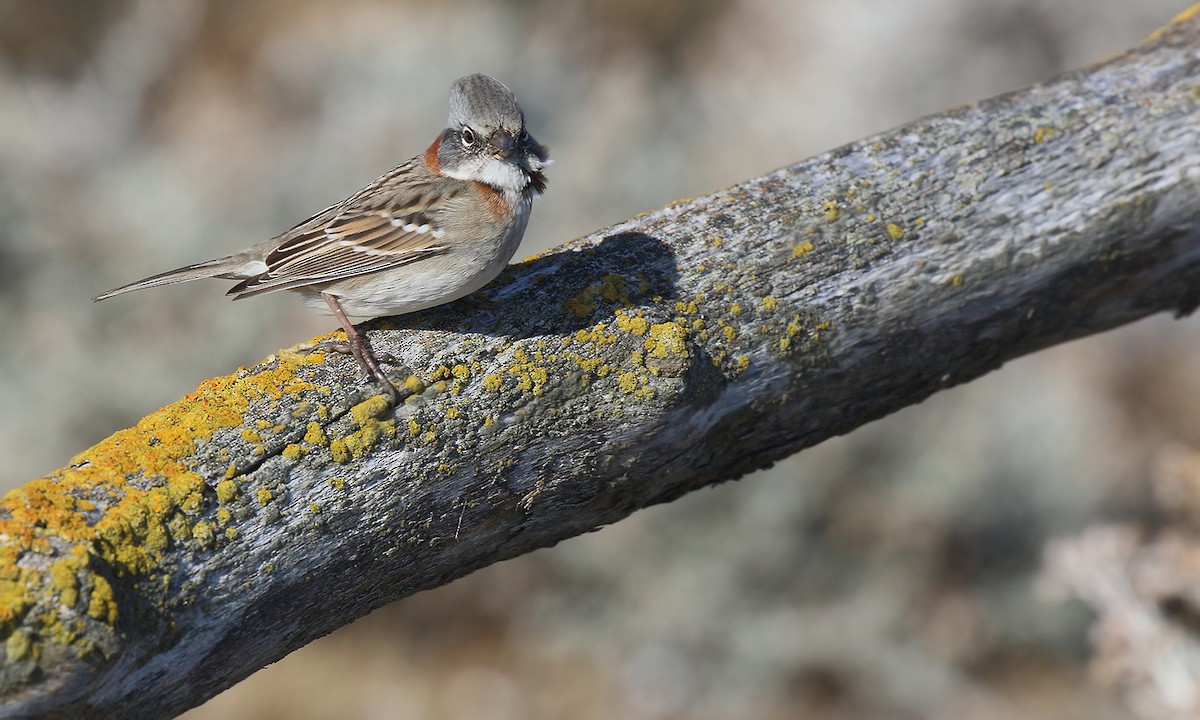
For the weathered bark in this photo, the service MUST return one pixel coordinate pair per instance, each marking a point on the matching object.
(685, 347)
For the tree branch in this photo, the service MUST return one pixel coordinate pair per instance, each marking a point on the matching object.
(682, 348)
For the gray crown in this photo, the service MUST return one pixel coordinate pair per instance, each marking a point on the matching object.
(482, 100)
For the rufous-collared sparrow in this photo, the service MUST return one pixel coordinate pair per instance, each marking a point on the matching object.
(432, 230)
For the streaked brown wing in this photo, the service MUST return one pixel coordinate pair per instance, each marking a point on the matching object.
(373, 230)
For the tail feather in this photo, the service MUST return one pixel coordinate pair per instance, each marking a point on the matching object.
(232, 267)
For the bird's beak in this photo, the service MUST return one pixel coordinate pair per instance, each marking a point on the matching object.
(503, 144)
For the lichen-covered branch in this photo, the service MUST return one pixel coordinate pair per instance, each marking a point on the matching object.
(685, 347)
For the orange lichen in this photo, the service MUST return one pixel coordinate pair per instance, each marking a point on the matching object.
(126, 500)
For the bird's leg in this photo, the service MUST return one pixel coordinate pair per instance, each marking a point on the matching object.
(357, 347)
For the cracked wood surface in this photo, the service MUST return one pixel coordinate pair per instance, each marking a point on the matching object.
(682, 348)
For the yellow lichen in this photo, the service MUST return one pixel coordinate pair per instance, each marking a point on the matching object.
(531, 376)
(635, 324)
(126, 526)
(337, 483)
(1185, 16)
(340, 453)
(830, 209)
(769, 303)
(202, 532)
(224, 516)
(16, 646)
(101, 605)
(627, 381)
(264, 496)
(227, 491)
(369, 435)
(666, 339)
(370, 409)
(192, 503)
(315, 435)
(894, 231)
(64, 580)
(251, 436)
(293, 451)
(363, 439)
(802, 249)
(609, 287)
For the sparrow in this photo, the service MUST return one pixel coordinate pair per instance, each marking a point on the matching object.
(432, 230)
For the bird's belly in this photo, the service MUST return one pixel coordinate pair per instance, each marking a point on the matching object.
(420, 285)
(399, 291)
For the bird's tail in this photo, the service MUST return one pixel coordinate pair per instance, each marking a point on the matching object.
(232, 267)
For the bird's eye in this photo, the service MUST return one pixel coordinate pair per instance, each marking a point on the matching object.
(468, 137)
(524, 135)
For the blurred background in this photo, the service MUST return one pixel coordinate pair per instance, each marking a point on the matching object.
(895, 573)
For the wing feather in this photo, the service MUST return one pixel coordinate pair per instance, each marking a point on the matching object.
(394, 221)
